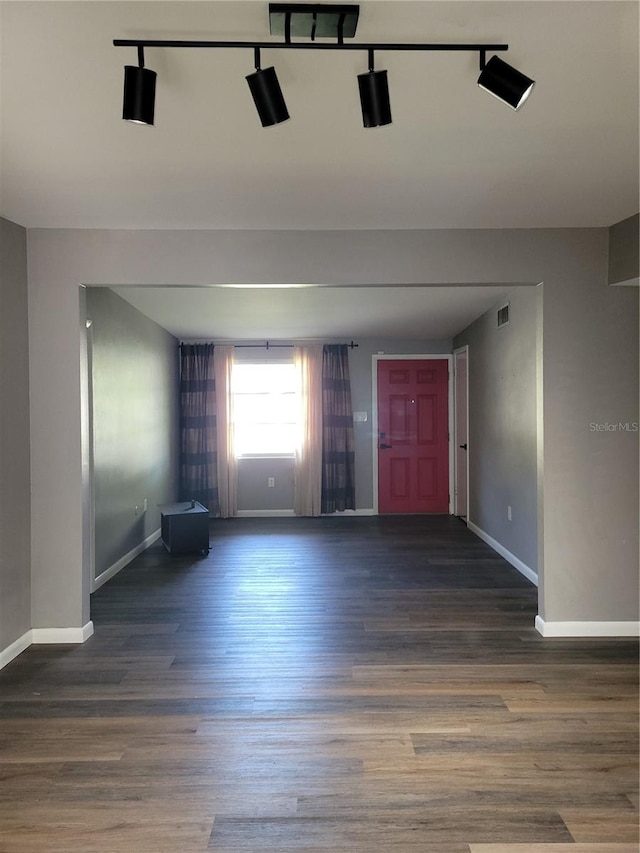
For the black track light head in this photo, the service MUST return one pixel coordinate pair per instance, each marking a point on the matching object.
(138, 103)
(374, 96)
(267, 96)
(505, 83)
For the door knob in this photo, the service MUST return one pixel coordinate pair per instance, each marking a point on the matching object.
(462, 446)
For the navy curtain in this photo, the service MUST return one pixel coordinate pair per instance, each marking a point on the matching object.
(198, 455)
(338, 458)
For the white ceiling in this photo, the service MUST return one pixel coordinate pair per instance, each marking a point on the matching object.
(453, 158)
(302, 313)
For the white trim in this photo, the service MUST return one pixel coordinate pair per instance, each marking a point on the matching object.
(103, 577)
(529, 573)
(249, 456)
(87, 440)
(44, 636)
(629, 282)
(265, 513)
(459, 350)
(374, 431)
(289, 513)
(448, 357)
(587, 629)
(16, 648)
(91, 472)
(61, 635)
(450, 429)
(345, 512)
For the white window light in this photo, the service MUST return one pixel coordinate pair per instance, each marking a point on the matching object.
(265, 409)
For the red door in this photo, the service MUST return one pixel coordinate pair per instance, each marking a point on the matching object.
(413, 436)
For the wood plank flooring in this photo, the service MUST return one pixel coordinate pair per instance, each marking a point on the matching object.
(318, 685)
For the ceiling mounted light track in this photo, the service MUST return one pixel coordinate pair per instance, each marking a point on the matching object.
(314, 21)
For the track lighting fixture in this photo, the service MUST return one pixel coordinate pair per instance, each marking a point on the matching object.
(138, 104)
(267, 94)
(374, 96)
(504, 82)
(311, 21)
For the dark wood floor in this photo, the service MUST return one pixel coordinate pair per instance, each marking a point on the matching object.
(321, 685)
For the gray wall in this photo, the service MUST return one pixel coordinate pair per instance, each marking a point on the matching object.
(135, 423)
(253, 491)
(624, 252)
(588, 556)
(15, 502)
(503, 424)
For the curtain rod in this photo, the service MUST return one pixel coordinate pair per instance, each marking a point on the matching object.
(268, 345)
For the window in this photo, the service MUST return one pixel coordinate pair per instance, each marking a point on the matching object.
(265, 409)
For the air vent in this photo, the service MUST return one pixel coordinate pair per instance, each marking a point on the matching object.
(503, 315)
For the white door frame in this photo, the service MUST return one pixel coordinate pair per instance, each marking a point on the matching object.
(87, 432)
(448, 357)
(464, 349)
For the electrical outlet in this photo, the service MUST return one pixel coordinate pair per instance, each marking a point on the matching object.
(508, 513)
(271, 482)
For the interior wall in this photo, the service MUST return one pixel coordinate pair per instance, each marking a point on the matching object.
(590, 354)
(254, 493)
(589, 556)
(15, 501)
(503, 425)
(135, 424)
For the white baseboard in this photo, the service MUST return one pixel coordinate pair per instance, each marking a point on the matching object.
(351, 512)
(44, 636)
(289, 513)
(630, 282)
(17, 647)
(62, 635)
(105, 576)
(265, 513)
(529, 573)
(587, 629)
